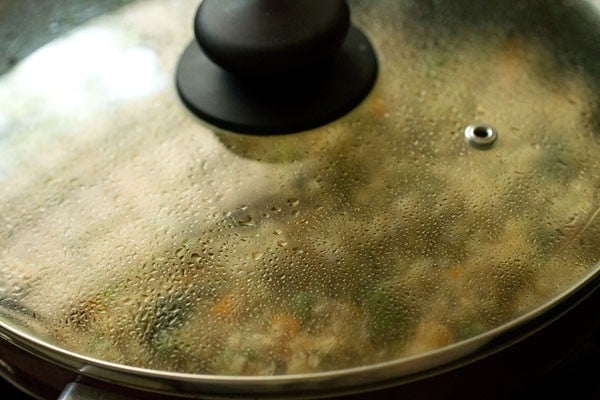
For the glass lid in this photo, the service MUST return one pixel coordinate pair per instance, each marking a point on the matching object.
(461, 194)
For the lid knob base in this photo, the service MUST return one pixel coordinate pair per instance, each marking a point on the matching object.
(275, 97)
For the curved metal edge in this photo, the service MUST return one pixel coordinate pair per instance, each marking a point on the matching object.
(338, 382)
(10, 379)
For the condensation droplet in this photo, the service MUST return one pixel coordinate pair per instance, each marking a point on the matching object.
(245, 221)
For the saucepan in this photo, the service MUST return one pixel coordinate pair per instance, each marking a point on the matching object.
(288, 199)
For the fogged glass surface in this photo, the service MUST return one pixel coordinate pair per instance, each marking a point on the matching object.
(133, 233)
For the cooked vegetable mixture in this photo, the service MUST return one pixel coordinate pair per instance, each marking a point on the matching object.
(131, 232)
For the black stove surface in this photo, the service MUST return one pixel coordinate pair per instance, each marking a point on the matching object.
(577, 377)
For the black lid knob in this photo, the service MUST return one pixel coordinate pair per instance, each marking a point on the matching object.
(265, 37)
(275, 66)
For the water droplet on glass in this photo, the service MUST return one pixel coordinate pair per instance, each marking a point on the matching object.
(245, 221)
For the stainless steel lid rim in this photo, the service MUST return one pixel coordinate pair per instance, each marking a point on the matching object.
(318, 384)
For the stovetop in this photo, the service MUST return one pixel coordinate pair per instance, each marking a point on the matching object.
(577, 377)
